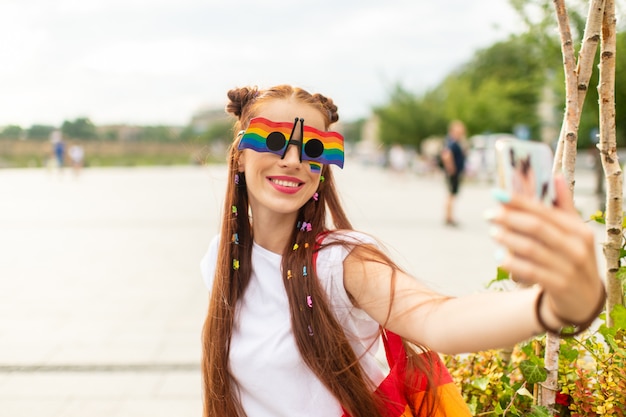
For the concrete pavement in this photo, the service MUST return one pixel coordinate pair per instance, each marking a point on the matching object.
(101, 301)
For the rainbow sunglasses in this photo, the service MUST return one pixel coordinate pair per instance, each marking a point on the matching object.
(317, 147)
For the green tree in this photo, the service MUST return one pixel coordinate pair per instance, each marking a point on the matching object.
(12, 132)
(157, 134)
(408, 119)
(620, 88)
(39, 132)
(188, 134)
(538, 16)
(219, 131)
(501, 86)
(497, 89)
(81, 128)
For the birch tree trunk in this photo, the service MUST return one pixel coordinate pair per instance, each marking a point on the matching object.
(576, 85)
(610, 161)
(565, 160)
(591, 38)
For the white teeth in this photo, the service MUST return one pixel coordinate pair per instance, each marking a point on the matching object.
(284, 183)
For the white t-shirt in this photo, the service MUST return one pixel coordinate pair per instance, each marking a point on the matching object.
(273, 379)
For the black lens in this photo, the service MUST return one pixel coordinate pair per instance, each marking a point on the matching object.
(275, 141)
(314, 148)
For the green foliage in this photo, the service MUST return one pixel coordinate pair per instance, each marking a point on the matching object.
(188, 134)
(498, 89)
(407, 119)
(620, 88)
(12, 132)
(157, 134)
(592, 375)
(502, 85)
(595, 380)
(81, 128)
(501, 276)
(539, 411)
(538, 16)
(533, 370)
(220, 131)
(491, 383)
(39, 132)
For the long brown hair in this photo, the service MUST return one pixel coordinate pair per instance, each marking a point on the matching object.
(328, 353)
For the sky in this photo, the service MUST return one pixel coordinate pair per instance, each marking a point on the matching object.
(156, 62)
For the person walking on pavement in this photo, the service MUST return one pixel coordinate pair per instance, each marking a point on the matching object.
(453, 159)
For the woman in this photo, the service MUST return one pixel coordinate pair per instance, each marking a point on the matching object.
(297, 304)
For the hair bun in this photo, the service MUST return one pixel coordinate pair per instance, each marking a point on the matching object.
(330, 107)
(239, 98)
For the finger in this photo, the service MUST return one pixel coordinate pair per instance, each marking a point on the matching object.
(571, 238)
(529, 216)
(529, 249)
(563, 198)
(527, 272)
(569, 252)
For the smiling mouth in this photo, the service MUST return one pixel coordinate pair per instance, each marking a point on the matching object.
(284, 183)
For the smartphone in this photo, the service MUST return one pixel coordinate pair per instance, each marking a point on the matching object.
(525, 167)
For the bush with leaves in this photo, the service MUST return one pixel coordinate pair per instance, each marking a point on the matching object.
(592, 375)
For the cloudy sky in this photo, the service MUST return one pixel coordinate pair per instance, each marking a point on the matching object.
(159, 61)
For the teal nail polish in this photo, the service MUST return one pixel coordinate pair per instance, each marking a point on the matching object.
(501, 195)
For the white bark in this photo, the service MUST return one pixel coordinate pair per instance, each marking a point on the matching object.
(610, 161)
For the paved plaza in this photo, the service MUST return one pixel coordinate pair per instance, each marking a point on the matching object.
(101, 299)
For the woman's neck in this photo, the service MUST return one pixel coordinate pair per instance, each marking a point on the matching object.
(272, 231)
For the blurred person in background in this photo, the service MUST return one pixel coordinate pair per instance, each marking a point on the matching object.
(77, 156)
(57, 151)
(453, 160)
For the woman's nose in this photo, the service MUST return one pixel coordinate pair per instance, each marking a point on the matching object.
(292, 154)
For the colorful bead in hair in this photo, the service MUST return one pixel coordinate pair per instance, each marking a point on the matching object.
(235, 238)
(235, 264)
(236, 179)
(234, 210)
(306, 227)
(310, 330)
(304, 274)
(289, 275)
(316, 196)
(309, 301)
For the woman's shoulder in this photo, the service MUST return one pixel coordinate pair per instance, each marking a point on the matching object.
(336, 245)
(349, 238)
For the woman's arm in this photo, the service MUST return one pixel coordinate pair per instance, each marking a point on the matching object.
(550, 247)
(444, 324)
